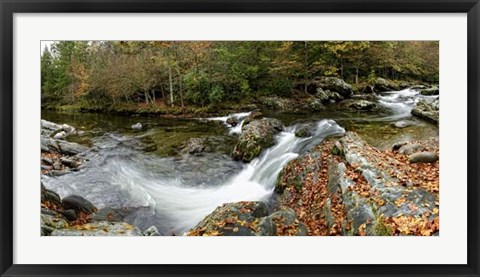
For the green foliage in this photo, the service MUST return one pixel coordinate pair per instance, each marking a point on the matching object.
(202, 73)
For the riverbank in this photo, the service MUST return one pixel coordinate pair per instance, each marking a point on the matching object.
(319, 93)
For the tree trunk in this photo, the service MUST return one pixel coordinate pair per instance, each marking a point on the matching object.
(356, 75)
(145, 93)
(170, 77)
(306, 66)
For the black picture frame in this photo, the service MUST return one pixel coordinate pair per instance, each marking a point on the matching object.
(10, 7)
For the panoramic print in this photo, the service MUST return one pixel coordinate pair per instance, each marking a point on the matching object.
(239, 138)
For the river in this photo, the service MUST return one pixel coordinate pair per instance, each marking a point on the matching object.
(144, 173)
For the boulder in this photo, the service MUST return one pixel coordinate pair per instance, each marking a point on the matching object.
(255, 137)
(103, 228)
(50, 196)
(382, 85)
(362, 105)
(137, 126)
(71, 148)
(236, 219)
(252, 116)
(423, 157)
(196, 145)
(428, 110)
(69, 162)
(232, 121)
(78, 203)
(401, 124)
(60, 135)
(336, 85)
(48, 144)
(409, 149)
(69, 130)
(304, 131)
(49, 127)
(328, 96)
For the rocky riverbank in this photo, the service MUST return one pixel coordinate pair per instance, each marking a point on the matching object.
(346, 187)
(73, 215)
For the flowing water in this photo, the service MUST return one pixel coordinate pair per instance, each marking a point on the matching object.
(145, 173)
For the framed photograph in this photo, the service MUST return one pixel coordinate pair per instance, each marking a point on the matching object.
(239, 138)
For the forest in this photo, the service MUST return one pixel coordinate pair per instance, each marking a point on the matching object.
(172, 76)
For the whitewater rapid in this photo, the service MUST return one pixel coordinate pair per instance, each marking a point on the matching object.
(176, 193)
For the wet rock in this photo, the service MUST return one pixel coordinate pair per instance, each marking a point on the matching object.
(232, 121)
(427, 109)
(49, 127)
(152, 231)
(69, 162)
(310, 162)
(60, 135)
(71, 215)
(108, 214)
(430, 91)
(229, 220)
(69, 130)
(137, 126)
(304, 131)
(48, 144)
(254, 115)
(423, 157)
(50, 195)
(78, 203)
(71, 148)
(196, 145)
(411, 148)
(103, 228)
(255, 137)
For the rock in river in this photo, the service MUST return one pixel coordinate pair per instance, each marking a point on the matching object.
(427, 109)
(78, 203)
(255, 137)
(196, 145)
(71, 148)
